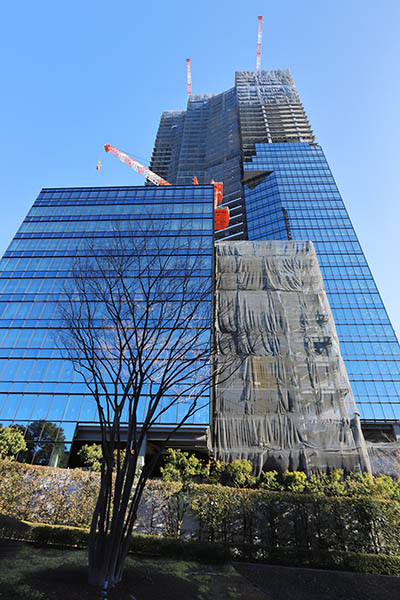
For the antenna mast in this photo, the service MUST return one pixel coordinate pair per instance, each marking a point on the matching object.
(259, 41)
(189, 77)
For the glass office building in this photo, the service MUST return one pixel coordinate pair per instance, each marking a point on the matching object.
(279, 186)
(298, 199)
(39, 390)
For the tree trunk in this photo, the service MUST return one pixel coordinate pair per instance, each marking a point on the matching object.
(107, 556)
(112, 524)
(102, 570)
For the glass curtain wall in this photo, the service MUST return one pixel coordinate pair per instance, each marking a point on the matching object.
(39, 391)
(297, 198)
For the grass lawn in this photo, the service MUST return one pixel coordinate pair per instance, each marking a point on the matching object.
(31, 573)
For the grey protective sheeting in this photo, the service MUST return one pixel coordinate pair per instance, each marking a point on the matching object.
(287, 403)
(385, 458)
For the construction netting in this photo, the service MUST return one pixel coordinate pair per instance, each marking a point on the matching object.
(282, 398)
(385, 458)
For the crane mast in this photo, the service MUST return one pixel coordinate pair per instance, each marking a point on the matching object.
(189, 77)
(259, 41)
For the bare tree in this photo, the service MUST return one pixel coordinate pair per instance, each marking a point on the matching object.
(137, 327)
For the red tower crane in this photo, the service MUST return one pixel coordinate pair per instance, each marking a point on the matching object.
(221, 215)
(135, 165)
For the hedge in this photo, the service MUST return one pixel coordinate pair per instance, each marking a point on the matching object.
(46, 494)
(62, 536)
(276, 520)
(258, 521)
(379, 564)
(67, 537)
(43, 535)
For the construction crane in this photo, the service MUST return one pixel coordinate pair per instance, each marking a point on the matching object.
(189, 77)
(135, 165)
(221, 215)
(259, 41)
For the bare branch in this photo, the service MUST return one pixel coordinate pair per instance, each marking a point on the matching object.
(137, 328)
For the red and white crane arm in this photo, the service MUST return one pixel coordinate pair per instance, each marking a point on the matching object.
(135, 165)
(221, 215)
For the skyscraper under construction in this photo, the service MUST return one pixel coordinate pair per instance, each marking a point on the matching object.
(288, 403)
(256, 138)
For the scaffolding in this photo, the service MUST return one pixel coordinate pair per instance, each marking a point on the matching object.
(287, 403)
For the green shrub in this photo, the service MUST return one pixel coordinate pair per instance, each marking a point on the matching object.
(59, 535)
(328, 484)
(268, 481)
(46, 494)
(335, 560)
(215, 508)
(11, 442)
(12, 528)
(289, 520)
(43, 535)
(295, 481)
(365, 484)
(91, 456)
(181, 466)
(339, 561)
(187, 468)
(213, 470)
(326, 520)
(238, 474)
(171, 500)
(369, 563)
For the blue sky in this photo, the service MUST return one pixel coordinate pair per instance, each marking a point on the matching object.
(79, 74)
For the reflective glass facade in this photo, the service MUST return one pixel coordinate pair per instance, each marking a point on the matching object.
(297, 198)
(38, 386)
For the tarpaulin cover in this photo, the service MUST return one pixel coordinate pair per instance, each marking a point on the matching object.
(385, 458)
(287, 402)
